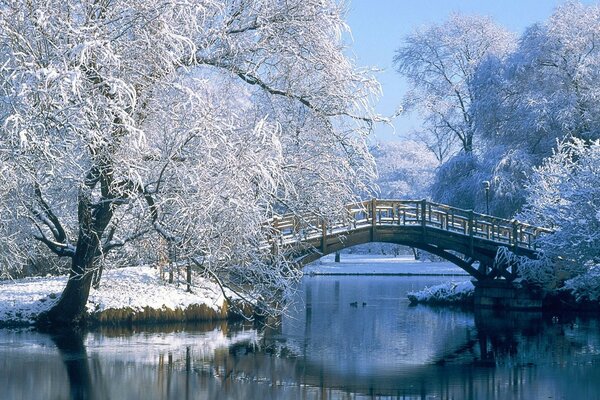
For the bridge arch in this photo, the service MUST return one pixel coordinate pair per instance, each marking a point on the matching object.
(462, 237)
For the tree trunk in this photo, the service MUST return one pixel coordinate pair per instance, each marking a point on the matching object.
(71, 307)
(468, 144)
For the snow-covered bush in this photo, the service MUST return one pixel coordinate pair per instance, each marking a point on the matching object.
(445, 293)
(541, 272)
(564, 194)
(585, 287)
(458, 182)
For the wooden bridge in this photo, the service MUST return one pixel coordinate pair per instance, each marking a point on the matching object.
(463, 237)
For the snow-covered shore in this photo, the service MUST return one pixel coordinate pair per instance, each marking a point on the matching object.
(128, 294)
(445, 293)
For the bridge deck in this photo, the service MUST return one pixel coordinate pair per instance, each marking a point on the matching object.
(413, 213)
(479, 234)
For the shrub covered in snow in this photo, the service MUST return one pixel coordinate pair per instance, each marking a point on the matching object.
(540, 272)
(564, 194)
(585, 287)
(445, 293)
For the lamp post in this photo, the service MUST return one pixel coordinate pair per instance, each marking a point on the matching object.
(486, 186)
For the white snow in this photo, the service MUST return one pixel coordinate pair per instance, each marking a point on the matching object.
(135, 287)
(23, 299)
(451, 292)
(139, 287)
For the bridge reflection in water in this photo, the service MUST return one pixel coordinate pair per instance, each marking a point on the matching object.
(325, 349)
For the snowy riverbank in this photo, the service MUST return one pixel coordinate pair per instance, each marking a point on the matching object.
(125, 294)
(445, 293)
(137, 294)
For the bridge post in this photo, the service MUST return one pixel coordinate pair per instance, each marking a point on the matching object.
(471, 231)
(373, 218)
(499, 293)
(423, 218)
(323, 237)
(274, 236)
(515, 235)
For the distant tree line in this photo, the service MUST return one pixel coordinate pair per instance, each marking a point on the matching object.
(522, 114)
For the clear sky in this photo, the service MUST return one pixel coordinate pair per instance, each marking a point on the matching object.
(378, 27)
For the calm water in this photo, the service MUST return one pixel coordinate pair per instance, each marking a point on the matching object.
(331, 346)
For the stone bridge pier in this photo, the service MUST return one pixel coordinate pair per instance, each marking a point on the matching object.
(500, 293)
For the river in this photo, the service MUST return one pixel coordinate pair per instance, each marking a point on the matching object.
(346, 337)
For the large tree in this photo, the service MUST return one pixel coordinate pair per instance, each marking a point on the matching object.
(563, 194)
(547, 89)
(180, 124)
(543, 93)
(440, 61)
(406, 169)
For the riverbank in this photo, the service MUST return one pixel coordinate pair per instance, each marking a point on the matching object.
(449, 293)
(463, 294)
(126, 295)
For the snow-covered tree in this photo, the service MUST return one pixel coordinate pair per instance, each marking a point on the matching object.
(440, 61)
(564, 194)
(548, 88)
(458, 182)
(521, 103)
(406, 169)
(546, 91)
(181, 125)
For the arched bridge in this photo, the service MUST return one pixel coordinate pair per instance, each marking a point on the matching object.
(463, 237)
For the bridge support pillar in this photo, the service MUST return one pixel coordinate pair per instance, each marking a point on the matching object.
(499, 293)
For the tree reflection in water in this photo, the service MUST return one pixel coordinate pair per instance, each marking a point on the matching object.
(326, 349)
(83, 386)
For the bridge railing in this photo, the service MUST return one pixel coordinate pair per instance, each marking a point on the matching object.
(377, 212)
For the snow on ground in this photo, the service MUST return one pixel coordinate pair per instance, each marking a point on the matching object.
(23, 299)
(450, 292)
(139, 287)
(380, 264)
(134, 287)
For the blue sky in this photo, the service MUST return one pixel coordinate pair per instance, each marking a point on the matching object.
(378, 27)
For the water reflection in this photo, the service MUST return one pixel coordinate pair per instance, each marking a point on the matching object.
(329, 347)
(74, 356)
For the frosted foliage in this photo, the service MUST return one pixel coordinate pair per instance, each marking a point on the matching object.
(546, 90)
(458, 182)
(175, 129)
(440, 62)
(563, 193)
(9, 233)
(445, 293)
(585, 287)
(541, 272)
(405, 168)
